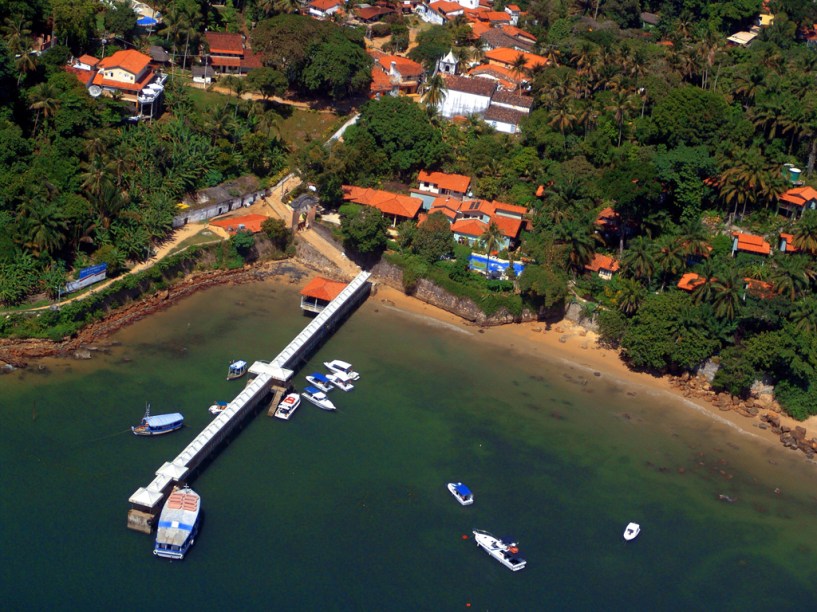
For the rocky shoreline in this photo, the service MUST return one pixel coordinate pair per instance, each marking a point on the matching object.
(761, 406)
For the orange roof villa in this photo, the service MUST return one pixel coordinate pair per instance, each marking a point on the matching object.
(604, 265)
(750, 244)
(798, 199)
(434, 184)
(398, 207)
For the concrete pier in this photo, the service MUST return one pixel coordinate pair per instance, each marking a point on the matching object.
(270, 377)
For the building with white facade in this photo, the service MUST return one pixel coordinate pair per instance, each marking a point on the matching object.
(466, 96)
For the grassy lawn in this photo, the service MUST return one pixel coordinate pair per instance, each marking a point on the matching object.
(205, 236)
(304, 126)
(203, 99)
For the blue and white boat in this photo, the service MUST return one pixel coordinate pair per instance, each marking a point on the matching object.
(317, 397)
(158, 424)
(178, 524)
(320, 381)
(461, 493)
(217, 407)
(236, 370)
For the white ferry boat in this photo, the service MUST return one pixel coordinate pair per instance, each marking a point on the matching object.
(178, 524)
(504, 550)
(158, 424)
(342, 367)
(287, 406)
(237, 369)
(318, 397)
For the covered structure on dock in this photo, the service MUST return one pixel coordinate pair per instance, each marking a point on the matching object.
(319, 292)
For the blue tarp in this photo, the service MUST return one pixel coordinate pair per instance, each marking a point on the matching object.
(163, 420)
(146, 22)
(312, 390)
(320, 377)
(462, 490)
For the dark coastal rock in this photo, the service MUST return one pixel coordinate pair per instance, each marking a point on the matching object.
(799, 433)
(785, 428)
(82, 354)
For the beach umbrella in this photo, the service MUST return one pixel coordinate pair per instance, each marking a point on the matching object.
(146, 22)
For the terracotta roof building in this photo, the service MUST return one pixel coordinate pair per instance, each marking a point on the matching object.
(243, 223)
(689, 281)
(398, 207)
(319, 292)
(787, 243)
(604, 265)
(470, 218)
(750, 244)
(505, 56)
(228, 53)
(798, 199)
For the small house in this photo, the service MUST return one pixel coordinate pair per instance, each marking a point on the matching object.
(319, 292)
(748, 243)
(435, 184)
(787, 243)
(395, 206)
(690, 281)
(793, 202)
(603, 265)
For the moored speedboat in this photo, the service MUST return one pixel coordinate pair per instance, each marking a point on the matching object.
(320, 381)
(158, 424)
(461, 493)
(503, 550)
(287, 406)
(237, 369)
(217, 407)
(341, 381)
(178, 524)
(318, 397)
(342, 367)
(631, 532)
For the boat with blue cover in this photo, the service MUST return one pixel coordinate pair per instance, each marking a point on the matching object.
(178, 524)
(317, 397)
(320, 381)
(461, 493)
(158, 424)
(237, 369)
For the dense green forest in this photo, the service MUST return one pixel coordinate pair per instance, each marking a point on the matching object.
(684, 136)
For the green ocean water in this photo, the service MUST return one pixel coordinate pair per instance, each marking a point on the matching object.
(349, 511)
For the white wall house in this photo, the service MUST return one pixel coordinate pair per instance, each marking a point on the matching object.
(466, 96)
(438, 12)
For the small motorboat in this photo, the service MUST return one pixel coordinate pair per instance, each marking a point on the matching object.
(320, 381)
(217, 407)
(287, 406)
(158, 424)
(178, 524)
(461, 493)
(341, 381)
(504, 550)
(342, 367)
(236, 370)
(318, 397)
(632, 531)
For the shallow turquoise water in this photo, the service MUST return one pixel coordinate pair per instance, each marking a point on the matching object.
(349, 511)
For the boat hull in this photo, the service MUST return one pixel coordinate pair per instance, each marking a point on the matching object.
(499, 551)
(139, 431)
(323, 405)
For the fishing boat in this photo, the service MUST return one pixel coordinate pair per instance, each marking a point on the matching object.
(341, 381)
(504, 550)
(158, 424)
(236, 370)
(338, 366)
(461, 493)
(217, 407)
(178, 524)
(320, 381)
(631, 532)
(287, 406)
(318, 397)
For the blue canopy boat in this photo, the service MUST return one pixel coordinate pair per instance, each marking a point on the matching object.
(320, 381)
(461, 493)
(158, 424)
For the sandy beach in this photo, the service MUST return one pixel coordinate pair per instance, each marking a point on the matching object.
(574, 345)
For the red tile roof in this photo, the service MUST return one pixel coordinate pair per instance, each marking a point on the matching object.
(226, 43)
(602, 262)
(789, 238)
(479, 28)
(446, 205)
(759, 288)
(251, 223)
(452, 182)
(513, 7)
(496, 16)
(90, 60)
(84, 76)
(130, 60)
(608, 216)
(406, 67)
(325, 5)
(99, 79)
(323, 289)
(540, 191)
(507, 56)
(799, 196)
(231, 62)
(381, 83)
(689, 281)
(752, 244)
(469, 227)
(385, 201)
(507, 77)
(445, 7)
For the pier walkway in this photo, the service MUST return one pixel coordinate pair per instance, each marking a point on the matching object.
(146, 502)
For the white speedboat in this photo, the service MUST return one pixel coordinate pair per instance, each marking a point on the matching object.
(217, 407)
(178, 524)
(632, 531)
(287, 406)
(318, 397)
(461, 493)
(503, 550)
(338, 366)
(341, 381)
(316, 379)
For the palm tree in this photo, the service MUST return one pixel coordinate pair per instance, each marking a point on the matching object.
(520, 65)
(436, 91)
(490, 240)
(804, 315)
(750, 179)
(727, 289)
(792, 275)
(670, 260)
(579, 238)
(705, 291)
(562, 117)
(287, 6)
(44, 227)
(44, 99)
(621, 107)
(639, 259)
(630, 295)
(805, 232)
